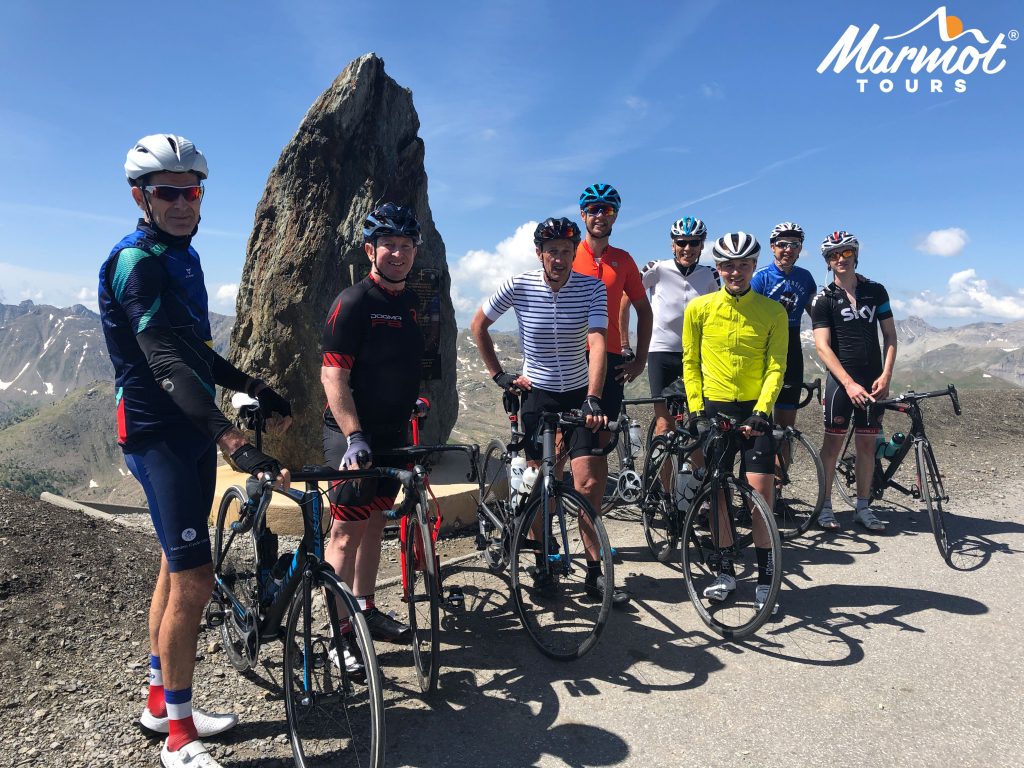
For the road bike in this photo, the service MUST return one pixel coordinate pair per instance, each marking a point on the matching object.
(624, 484)
(542, 538)
(335, 717)
(799, 475)
(927, 482)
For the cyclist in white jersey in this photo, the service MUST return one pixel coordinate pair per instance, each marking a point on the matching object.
(560, 313)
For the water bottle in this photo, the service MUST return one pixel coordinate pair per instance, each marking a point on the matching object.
(683, 479)
(880, 444)
(892, 447)
(529, 478)
(635, 439)
(692, 484)
(267, 548)
(277, 574)
(517, 468)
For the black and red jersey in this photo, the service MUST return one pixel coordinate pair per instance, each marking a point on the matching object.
(373, 332)
(853, 330)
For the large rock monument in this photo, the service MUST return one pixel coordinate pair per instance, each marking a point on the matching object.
(356, 146)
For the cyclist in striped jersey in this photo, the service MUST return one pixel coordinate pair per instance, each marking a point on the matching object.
(559, 313)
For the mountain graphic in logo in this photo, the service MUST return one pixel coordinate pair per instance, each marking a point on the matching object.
(950, 28)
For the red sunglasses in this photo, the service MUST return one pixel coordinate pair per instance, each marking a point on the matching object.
(169, 194)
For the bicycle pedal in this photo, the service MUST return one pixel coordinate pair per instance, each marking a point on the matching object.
(214, 617)
(455, 597)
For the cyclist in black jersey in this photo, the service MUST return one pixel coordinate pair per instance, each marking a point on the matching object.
(153, 308)
(846, 317)
(372, 358)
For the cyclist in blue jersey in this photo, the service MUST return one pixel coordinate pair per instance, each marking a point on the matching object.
(794, 288)
(153, 308)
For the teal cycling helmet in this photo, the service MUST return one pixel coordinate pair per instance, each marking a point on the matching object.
(689, 227)
(600, 193)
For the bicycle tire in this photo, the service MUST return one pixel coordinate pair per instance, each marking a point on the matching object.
(658, 506)
(334, 718)
(563, 620)
(236, 566)
(799, 485)
(737, 616)
(422, 600)
(934, 494)
(497, 495)
(845, 478)
(616, 465)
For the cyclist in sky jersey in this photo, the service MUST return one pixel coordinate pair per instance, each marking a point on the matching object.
(372, 359)
(846, 317)
(559, 312)
(153, 309)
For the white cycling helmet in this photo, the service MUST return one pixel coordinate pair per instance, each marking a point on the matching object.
(839, 240)
(688, 226)
(786, 228)
(736, 245)
(164, 152)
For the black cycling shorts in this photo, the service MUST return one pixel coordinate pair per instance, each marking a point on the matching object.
(789, 397)
(758, 452)
(356, 500)
(838, 408)
(535, 401)
(662, 369)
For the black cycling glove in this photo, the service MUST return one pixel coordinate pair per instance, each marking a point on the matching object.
(592, 407)
(505, 380)
(697, 424)
(758, 422)
(253, 462)
(271, 403)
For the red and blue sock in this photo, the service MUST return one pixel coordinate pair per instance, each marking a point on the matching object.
(181, 729)
(155, 699)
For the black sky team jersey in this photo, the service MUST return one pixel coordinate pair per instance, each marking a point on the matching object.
(373, 332)
(854, 330)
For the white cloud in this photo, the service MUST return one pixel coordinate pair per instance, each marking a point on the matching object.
(61, 289)
(967, 296)
(944, 242)
(711, 91)
(479, 273)
(637, 104)
(226, 294)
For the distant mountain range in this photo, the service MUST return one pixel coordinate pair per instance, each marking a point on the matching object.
(57, 428)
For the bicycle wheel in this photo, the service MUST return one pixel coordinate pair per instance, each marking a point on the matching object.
(845, 479)
(562, 616)
(621, 480)
(235, 565)
(422, 600)
(738, 615)
(934, 494)
(799, 485)
(660, 518)
(334, 719)
(494, 471)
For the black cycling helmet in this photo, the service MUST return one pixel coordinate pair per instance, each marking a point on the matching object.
(556, 229)
(391, 219)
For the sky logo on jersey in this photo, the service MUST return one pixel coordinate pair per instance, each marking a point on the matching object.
(391, 321)
(939, 46)
(860, 313)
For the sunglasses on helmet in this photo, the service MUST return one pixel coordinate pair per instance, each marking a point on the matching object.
(169, 194)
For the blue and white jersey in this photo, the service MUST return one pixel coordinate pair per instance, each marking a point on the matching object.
(553, 326)
(793, 291)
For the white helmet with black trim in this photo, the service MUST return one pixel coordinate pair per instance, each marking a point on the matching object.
(163, 152)
(790, 228)
(839, 240)
(736, 245)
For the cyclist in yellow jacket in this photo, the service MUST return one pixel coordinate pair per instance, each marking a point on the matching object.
(734, 361)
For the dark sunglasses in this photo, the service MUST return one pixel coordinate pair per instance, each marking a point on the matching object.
(169, 194)
(849, 253)
(692, 243)
(794, 244)
(597, 210)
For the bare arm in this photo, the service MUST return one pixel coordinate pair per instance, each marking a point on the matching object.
(339, 397)
(624, 306)
(880, 387)
(598, 362)
(484, 342)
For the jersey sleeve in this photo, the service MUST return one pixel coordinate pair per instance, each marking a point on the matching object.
(649, 277)
(137, 282)
(821, 317)
(501, 301)
(775, 361)
(633, 285)
(343, 332)
(693, 380)
(597, 312)
(884, 309)
(759, 281)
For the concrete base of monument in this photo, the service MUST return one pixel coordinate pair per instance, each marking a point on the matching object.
(455, 495)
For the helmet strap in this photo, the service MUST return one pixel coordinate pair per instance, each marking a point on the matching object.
(381, 276)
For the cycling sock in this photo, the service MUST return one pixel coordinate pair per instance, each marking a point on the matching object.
(765, 565)
(863, 503)
(727, 567)
(345, 625)
(366, 602)
(181, 729)
(155, 698)
(593, 570)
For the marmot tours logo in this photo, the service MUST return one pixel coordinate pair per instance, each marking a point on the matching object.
(955, 51)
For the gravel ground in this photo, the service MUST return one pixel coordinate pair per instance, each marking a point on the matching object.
(74, 595)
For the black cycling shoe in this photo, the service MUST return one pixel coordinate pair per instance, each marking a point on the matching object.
(383, 627)
(670, 552)
(595, 589)
(544, 584)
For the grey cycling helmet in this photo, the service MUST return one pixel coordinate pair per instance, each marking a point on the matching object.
(787, 228)
(163, 152)
(736, 245)
(689, 227)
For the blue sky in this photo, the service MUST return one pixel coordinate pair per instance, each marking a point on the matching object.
(690, 108)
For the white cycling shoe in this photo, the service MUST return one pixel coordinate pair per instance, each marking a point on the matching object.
(207, 723)
(761, 597)
(721, 588)
(192, 755)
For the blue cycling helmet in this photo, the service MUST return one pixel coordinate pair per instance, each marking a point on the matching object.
(391, 219)
(600, 193)
(689, 227)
